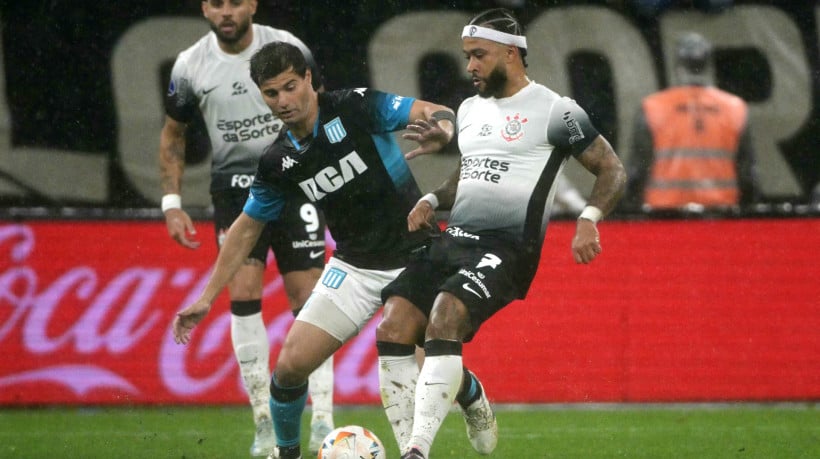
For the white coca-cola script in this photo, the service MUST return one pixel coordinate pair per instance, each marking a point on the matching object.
(77, 328)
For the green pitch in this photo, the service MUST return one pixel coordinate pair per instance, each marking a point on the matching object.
(574, 431)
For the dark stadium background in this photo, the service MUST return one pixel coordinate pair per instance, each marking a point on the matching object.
(58, 86)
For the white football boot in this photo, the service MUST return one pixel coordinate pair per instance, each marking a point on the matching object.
(482, 429)
(265, 440)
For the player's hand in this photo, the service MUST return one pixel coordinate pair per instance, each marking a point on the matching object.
(421, 216)
(431, 136)
(181, 228)
(586, 245)
(187, 319)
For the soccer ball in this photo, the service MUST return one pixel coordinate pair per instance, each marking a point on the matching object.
(352, 442)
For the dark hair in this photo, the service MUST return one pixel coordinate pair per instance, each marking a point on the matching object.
(275, 58)
(503, 20)
(693, 52)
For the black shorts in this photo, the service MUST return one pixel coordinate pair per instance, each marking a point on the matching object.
(297, 240)
(480, 275)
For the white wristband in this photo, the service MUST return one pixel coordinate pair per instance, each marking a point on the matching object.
(171, 201)
(592, 214)
(432, 199)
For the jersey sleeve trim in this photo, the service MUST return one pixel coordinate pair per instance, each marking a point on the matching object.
(264, 202)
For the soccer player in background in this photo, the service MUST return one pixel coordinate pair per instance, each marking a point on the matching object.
(514, 137)
(337, 150)
(212, 77)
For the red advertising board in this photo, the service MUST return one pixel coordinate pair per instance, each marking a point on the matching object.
(671, 311)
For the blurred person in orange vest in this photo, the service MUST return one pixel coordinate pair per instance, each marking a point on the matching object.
(692, 149)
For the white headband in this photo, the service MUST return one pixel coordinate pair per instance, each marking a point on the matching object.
(497, 36)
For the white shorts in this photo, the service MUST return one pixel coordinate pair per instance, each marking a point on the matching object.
(345, 298)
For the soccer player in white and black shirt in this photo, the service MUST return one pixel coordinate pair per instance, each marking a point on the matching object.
(514, 136)
(211, 79)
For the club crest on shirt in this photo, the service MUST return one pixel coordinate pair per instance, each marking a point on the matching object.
(514, 129)
(335, 131)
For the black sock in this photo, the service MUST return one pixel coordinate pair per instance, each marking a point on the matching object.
(470, 390)
(290, 452)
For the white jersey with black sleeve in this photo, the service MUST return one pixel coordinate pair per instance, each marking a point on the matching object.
(239, 123)
(512, 150)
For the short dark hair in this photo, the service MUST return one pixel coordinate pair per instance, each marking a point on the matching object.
(275, 58)
(503, 20)
(693, 52)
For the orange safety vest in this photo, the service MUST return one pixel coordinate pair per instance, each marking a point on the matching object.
(696, 131)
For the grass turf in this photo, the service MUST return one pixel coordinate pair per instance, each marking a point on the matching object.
(564, 431)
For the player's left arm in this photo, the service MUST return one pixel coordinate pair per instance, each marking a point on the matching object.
(573, 133)
(610, 182)
(431, 125)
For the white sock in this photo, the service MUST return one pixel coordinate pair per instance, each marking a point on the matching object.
(250, 345)
(398, 376)
(320, 389)
(438, 385)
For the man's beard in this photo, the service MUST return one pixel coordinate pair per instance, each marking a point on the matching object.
(494, 83)
(241, 30)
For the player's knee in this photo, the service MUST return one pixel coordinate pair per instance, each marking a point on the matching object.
(288, 374)
(449, 319)
(298, 297)
(246, 284)
(299, 286)
(282, 391)
(401, 323)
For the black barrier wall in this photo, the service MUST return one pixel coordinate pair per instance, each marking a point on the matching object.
(82, 107)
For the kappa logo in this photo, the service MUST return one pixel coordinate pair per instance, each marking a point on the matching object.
(288, 162)
(489, 260)
(514, 129)
(397, 102)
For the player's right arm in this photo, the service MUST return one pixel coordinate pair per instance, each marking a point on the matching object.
(239, 241)
(424, 212)
(172, 164)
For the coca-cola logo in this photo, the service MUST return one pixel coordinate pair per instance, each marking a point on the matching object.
(100, 326)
